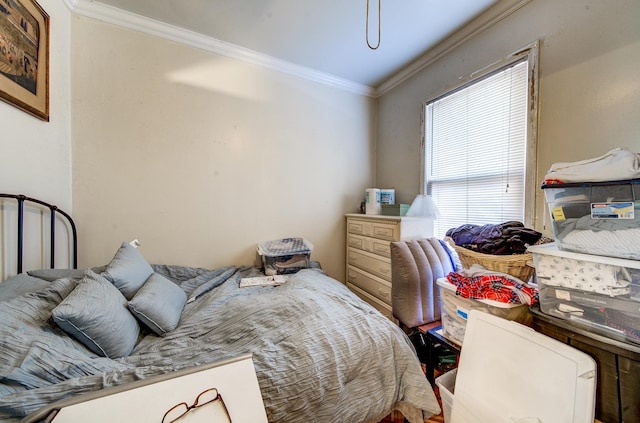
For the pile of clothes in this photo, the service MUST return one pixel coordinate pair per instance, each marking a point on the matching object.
(478, 283)
(510, 237)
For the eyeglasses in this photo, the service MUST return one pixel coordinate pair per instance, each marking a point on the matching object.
(205, 397)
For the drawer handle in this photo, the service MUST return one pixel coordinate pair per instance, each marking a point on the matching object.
(354, 242)
(353, 276)
(384, 270)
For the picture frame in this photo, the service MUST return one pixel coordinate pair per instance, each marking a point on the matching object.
(24, 56)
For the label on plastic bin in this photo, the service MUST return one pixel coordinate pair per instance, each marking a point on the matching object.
(462, 313)
(558, 214)
(622, 210)
(563, 295)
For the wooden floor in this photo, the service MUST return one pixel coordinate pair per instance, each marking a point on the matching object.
(397, 417)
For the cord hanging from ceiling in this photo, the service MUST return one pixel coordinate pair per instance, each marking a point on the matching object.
(367, 27)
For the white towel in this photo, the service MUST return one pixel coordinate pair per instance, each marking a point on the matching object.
(617, 164)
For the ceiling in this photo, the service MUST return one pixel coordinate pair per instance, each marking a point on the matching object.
(327, 36)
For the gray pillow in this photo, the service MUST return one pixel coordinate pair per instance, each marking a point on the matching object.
(128, 270)
(95, 313)
(158, 304)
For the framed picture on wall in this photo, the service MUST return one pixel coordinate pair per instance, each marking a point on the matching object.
(24, 56)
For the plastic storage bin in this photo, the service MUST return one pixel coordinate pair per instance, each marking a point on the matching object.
(600, 218)
(454, 311)
(446, 386)
(284, 256)
(508, 373)
(601, 294)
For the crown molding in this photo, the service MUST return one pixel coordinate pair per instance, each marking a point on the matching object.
(485, 20)
(119, 17)
(70, 3)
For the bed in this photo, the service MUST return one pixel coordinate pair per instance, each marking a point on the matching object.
(320, 353)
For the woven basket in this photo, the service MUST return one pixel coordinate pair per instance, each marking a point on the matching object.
(517, 265)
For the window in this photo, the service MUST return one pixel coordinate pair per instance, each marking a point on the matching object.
(479, 146)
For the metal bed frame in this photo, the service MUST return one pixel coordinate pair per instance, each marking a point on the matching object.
(54, 211)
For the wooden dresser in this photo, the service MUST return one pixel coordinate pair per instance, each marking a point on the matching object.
(368, 253)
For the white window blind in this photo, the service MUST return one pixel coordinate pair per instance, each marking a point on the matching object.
(476, 143)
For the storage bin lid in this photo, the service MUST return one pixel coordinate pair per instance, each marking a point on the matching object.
(510, 373)
(588, 184)
(551, 249)
(284, 247)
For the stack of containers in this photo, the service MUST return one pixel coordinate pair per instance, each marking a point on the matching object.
(591, 274)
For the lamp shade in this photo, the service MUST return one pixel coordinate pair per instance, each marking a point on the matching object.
(424, 206)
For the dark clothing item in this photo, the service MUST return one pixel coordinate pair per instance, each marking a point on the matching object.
(501, 239)
(474, 234)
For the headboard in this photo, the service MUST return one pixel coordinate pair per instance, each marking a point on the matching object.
(49, 217)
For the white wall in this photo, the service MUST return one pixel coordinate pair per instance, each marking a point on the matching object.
(589, 86)
(35, 156)
(200, 157)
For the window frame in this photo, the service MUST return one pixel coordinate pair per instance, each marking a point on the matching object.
(529, 53)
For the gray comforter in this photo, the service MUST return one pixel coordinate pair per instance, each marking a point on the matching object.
(320, 353)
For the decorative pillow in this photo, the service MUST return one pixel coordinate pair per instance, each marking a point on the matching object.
(158, 304)
(453, 254)
(95, 313)
(128, 270)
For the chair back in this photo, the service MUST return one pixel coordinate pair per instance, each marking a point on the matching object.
(415, 267)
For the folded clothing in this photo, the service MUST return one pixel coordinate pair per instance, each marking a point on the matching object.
(586, 276)
(617, 164)
(622, 243)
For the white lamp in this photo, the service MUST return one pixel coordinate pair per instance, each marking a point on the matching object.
(423, 206)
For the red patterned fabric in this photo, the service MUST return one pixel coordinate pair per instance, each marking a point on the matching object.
(493, 287)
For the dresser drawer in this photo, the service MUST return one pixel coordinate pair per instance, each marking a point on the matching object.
(383, 308)
(373, 245)
(369, 262)
(375, 286)
(387, 231)
(380, 247)
(356, 227)
(357, 241)
(375, 229)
